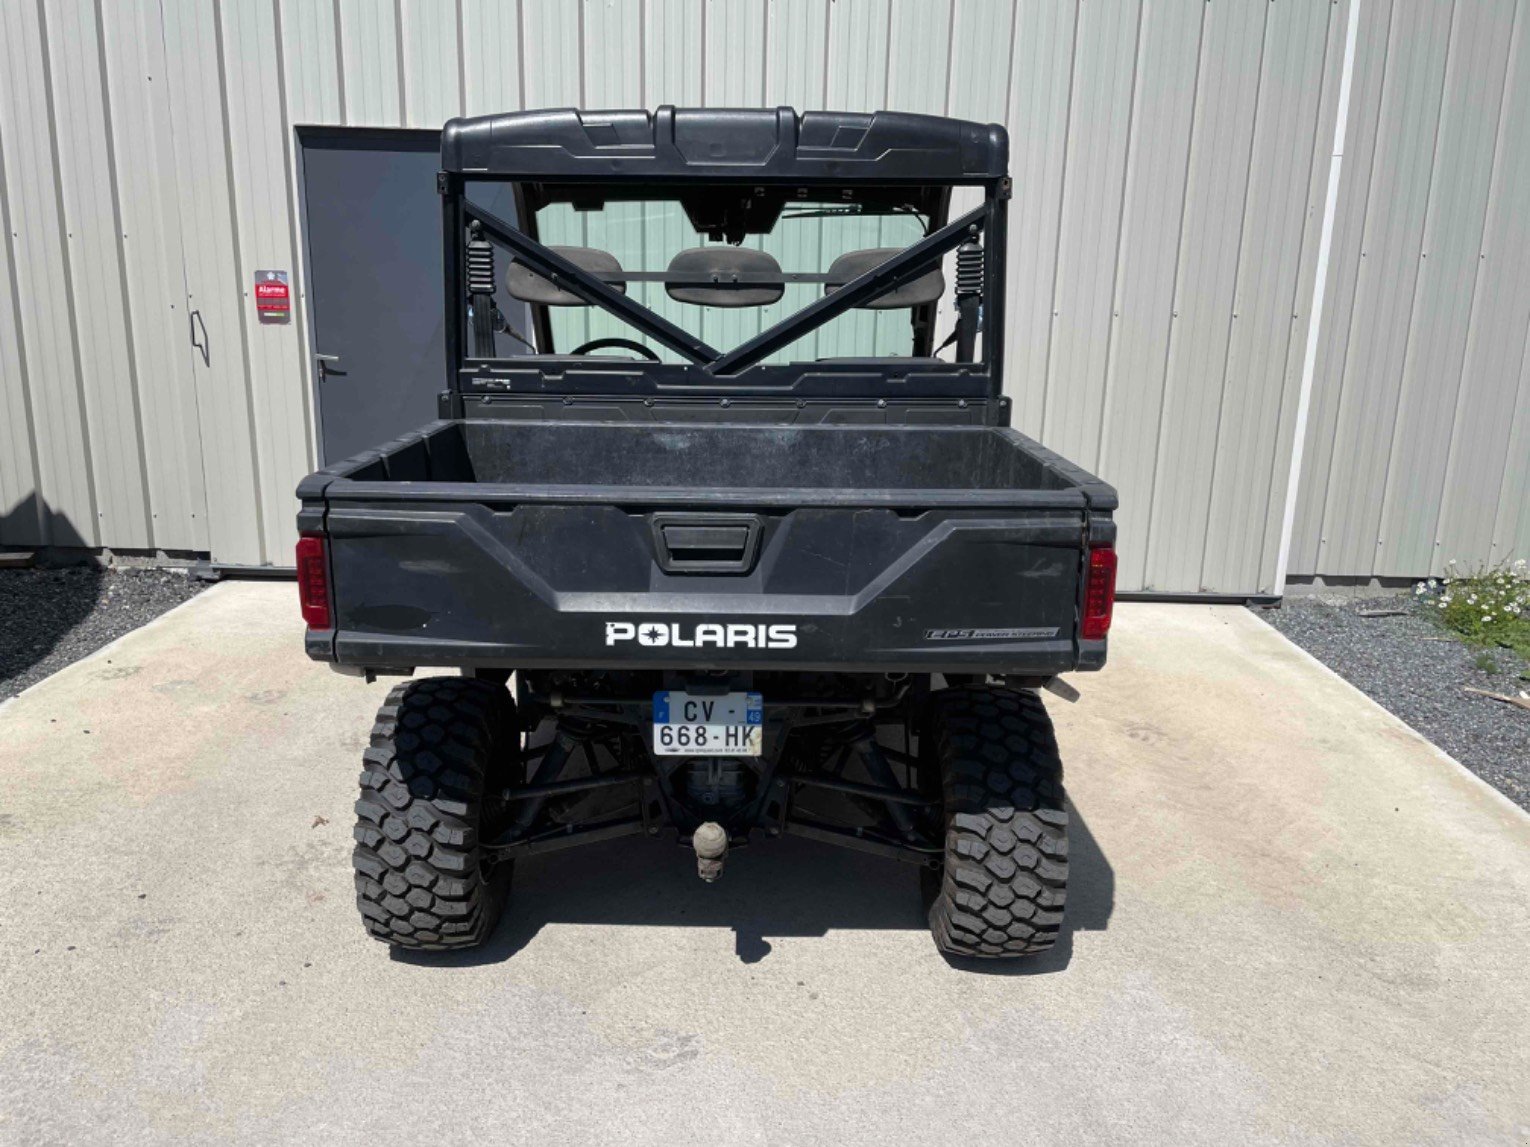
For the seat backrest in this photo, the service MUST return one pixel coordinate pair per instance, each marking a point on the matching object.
(927, 288)
(724, 265)
(529, 287)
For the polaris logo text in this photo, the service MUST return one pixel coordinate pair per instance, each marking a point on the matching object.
(730, 635)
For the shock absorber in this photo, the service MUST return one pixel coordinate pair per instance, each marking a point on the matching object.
(969, 297)
(480, 284)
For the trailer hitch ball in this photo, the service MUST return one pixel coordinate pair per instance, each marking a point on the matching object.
(710, 841)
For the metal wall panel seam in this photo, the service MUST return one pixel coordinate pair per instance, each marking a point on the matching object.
(1507, 500)
(1314, 311)
(340, 60)
(1343, 379)
(299, 284)
(1237, 277)
(1240, 506)
(1407, 143)
(1509, 303)
(1042, 82)
(1113, 298)
(1216, 183)
(369, 35)
(1436, 560)
(1342, 279)
(16, 533)
(945, 107)
(1062, 197)
(66, 266)
(398, 61)
(37, 221)
(887, 60)
(311, 48)
(89, 242)
(1168, 346)
(945, 309)
(460, 27)
(1142, 311)
(1493, 529)
(549, 80)
(1319, 161)
(431, 51)
(492, 58)
(128, 334)
(1419, 286)
(245, 372)
(520, 45)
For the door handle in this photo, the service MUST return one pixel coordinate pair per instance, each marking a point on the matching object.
(706, 542)
(325, 369)
(195, 319)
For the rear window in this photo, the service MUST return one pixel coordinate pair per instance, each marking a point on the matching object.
(645, 235)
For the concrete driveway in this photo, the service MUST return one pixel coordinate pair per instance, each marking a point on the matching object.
(1292, 920)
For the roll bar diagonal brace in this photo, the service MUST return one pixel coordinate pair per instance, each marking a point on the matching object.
(884, 277)
(551, 265)
(879, 280)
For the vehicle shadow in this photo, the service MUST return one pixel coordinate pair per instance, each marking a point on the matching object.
(40, 605)
(789, 887)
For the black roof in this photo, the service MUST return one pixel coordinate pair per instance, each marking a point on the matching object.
(758, 145)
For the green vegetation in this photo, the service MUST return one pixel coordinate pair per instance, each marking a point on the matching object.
(1490, 607)
(1486, 663)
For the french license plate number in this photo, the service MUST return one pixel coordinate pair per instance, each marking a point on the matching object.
(719, 725)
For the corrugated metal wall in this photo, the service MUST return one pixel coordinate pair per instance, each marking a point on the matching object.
(1170, 162)
(1418, 445)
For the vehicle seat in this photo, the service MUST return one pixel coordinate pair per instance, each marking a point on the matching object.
(927, 288)
(726, 265)
(529, 287)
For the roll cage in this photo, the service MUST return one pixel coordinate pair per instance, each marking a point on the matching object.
(723, 165)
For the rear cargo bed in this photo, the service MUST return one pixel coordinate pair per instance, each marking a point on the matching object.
(542, 544)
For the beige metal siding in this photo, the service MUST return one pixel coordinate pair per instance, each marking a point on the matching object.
(1417, 445)
(1169, 158)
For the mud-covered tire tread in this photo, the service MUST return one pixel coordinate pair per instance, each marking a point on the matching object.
(419, 883)
(1004, 882)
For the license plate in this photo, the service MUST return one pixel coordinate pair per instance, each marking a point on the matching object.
(715, 725)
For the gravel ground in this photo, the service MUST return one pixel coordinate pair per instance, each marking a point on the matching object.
(50, 618)
(1412, 667)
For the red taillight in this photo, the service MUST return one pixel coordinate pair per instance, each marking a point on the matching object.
(313, 581)
(1099, 593)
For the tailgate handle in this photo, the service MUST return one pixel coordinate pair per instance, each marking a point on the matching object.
(706, 543)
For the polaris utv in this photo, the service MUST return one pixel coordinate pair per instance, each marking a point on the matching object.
(768, 562)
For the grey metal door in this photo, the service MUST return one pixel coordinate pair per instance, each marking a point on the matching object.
(372, 244)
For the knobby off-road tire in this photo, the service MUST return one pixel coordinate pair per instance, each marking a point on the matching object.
(440, 754)
(1001, 889)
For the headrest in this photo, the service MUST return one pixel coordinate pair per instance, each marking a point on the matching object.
(724, 264)
(529, 287)
(927, 288)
